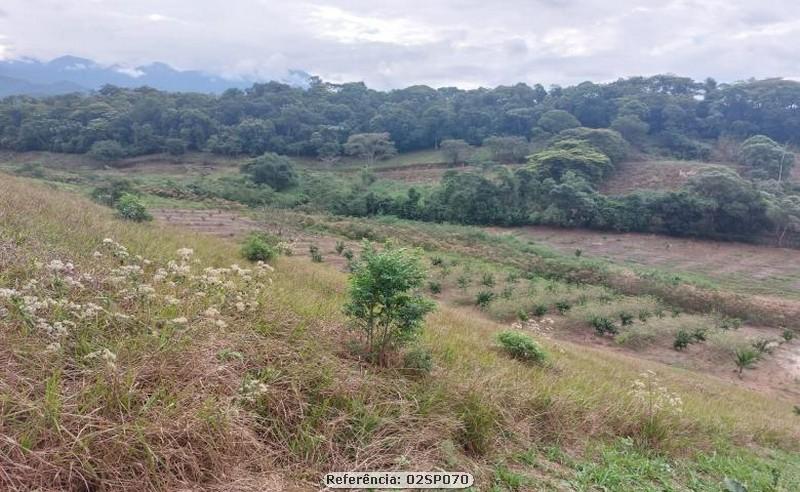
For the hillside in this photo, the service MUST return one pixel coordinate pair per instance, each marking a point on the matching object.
(117, 375)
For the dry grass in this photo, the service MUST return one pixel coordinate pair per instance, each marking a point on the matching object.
(272, 399)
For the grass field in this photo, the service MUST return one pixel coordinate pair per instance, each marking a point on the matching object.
(148, 393)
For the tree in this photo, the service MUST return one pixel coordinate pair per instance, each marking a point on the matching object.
(384, 303)
(784, 213)
(455, 151)
(272, 169)
(557, 120)
(106, 151)
(507, 149)
(766, 157)
(571, 155)
(609, 142)
(370, 146)
(631, 127)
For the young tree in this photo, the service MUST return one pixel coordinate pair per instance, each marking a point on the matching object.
(571, 155)
(455, 151)
(370, 146)
(507, 149)
(767, 157)
(106, 151)
(384, 301)
(275, 170)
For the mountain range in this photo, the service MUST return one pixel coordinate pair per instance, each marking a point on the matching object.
(73, 74)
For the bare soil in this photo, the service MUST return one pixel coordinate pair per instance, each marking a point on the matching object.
(651, 175)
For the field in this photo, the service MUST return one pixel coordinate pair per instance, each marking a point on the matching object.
(200, 394)
(651, 175)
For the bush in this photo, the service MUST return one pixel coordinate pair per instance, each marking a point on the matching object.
(109, 193)
(682, 340)
(487, 280)
(726, 323)
(418, 360)
(129, 207)
(175, 146)
(316, 256)
(106, 151)
(539, 310)
(434, 287)
(788, 335)
(384, 303)
(521, 346)
(463, 282)
(339, 248)
(625, 318)
(745, 358)
(563, 307)
(272, 169)
(604, 325)
(256, 248)
(437, 261)
(484, 298)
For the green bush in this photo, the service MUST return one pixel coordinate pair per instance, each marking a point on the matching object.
(745, 358)
(539, 310)
(316, 256)
(109, 193)
(434, 287)
(418, 360)
(339, 247)
(682, 340)
(563, 306)
(487, 280)
(129, 207)
(788, 335)
(484, 298)
(625, 318)
(521, 346)
(256, 248)
(604, 325)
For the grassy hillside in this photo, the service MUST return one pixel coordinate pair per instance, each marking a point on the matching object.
(129, 362)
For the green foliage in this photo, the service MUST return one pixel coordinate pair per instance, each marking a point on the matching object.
(129, 207)
(109, 193)
(370, 146)
(728, 323)
(507, 149)
(383, 301)
(435, 287)
(556, 121)
(609, 142)
(571, 156)
(478, 422)
(107, 151)
(603, 325)
(419, 360)
(487, 279)
(339, 248)
(539, 310)
(271, 169)
(484, 298)
(745, 358)
(682, 340)
(257, 248)
(766, 158)
(455, 151)
(563, 307)
(314, 252)
(625, 318)
(788, 335)
(521, 346)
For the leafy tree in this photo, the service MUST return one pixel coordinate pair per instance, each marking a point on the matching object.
(455, 150)
(556, 121)
(110, 193)
(174, 146)
(784, 213)
(766, 157)
(633, 129)
(571, 155)
(735, 206)
(384, 303)
(609, 142)
(370, 146)
(507, 149)
(129, 207)
(106, 151)
(272, 169)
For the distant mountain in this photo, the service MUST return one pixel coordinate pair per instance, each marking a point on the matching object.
(72, 74)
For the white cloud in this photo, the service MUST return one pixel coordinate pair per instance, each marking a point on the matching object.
(394, 43)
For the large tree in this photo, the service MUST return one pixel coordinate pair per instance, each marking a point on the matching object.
(370, 146)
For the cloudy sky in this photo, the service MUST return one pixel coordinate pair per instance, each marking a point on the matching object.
(389, 44)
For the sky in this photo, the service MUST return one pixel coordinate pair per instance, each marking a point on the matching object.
(391, 44)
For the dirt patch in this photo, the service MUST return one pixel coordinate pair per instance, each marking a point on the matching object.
(651, 175)
(741, 267)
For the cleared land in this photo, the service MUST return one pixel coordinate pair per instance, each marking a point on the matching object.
(651, 175)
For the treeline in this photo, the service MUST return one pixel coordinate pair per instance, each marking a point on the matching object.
(671, 114)
(558, 186)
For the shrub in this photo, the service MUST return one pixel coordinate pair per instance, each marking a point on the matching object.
(540, 310)
(339, 247)
(484, 298)
(578, 253)
(348, 254)
(626, 318)
(521, 346)
(745, 358)
(316, 256)
(383, 300)
(174, 146)
(129, 207)
(762, 345)
(699, 335)
(682, 340)
(463, 282)
(272, 169)
(788, 335)
(487, 280)
(256, 248)
(434, 287)
(418, 360)
(437, 261)
(604, 325)
(106, 151)
(726, 323)
(109, 193)
(522, 315)
(563, 306)
(507, 292)
(644, 316)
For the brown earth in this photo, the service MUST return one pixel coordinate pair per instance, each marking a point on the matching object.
(651, 175)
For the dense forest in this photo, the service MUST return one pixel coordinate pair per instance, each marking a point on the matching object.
(571, 138)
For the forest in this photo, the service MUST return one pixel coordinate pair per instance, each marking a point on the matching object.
(565, 140)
